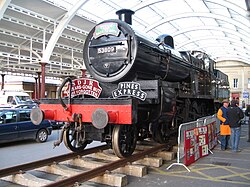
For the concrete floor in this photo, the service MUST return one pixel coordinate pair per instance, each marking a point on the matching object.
(222, 168)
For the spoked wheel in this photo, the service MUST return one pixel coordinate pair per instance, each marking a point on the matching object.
(142, 134)
(193, 111)
(203, 109)
(73, 140)
(160, 132)
(124, 139)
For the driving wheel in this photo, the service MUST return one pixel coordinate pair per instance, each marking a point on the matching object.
(73, 140)
(160, 132)
(124, 139)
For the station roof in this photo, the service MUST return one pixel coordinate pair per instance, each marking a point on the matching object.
(38, 31)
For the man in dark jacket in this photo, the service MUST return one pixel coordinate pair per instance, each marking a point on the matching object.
(234, 115)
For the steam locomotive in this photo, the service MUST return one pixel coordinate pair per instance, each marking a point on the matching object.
(138, 88)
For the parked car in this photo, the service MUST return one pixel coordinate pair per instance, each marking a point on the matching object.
(27, 106)
(57, 124)
(15, 125)
(13, 99)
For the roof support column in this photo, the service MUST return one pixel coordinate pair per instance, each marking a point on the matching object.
(43, 79)
(38, 86)
(2, 86)
(83, 73)
(59, 29)
(35, 95)
(3, 6)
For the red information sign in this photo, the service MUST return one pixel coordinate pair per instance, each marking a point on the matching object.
(191, 148)
(196, 144)
(212, 136)
(84, 87)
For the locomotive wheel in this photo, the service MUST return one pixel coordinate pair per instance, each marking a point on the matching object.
(160, 133)
(204, 109)
(193, 111)
(124, 139)
(142, 134)
(72, 141)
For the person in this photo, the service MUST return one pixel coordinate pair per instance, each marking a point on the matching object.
(224, 124)
(234, 115)
(3, 119)
(247, 113)
(11, 100)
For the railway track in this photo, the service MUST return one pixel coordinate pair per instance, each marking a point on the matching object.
(97, 164)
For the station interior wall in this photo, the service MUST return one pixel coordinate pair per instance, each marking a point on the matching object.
(240, 71)
(29, 87)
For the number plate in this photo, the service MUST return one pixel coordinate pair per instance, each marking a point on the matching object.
(109, 49)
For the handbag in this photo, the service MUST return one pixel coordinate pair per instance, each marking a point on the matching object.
(225, 130)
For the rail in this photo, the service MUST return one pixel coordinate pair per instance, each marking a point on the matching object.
(82, 177)
(19, 174)
(29, 166)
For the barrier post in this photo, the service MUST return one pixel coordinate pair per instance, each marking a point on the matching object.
(178, 152)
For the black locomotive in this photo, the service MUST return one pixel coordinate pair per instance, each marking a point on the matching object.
(138, 88)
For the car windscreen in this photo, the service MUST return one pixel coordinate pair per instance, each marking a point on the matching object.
(23, 99)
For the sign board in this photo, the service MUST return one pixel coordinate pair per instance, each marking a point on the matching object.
(245, 94)
(84, 86)
(132, 89)
(198, 141)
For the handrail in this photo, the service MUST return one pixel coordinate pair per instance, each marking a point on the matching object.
(68, 79)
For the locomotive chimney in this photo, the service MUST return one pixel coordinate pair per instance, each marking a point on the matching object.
(125, 15)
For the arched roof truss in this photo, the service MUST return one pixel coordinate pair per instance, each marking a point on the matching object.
(54, 31)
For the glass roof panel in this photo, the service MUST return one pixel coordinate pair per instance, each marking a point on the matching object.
(149, 15)
(217, 33)
(209, 21)
(187, 22)
(169, 8)
(226, 25)
(166, 29)
(239, 17)
(182, 38)
(197, 6)
(220, 10)
(240, 3)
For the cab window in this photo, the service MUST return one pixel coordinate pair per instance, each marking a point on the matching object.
(11, 100)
